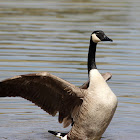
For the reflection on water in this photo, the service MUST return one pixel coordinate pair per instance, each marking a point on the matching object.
(53, 36)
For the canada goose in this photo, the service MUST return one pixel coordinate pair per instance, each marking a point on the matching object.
(90, 109)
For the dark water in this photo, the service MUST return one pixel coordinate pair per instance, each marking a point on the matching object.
(53, 36)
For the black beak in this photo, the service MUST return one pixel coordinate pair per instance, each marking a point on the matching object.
(106, 39)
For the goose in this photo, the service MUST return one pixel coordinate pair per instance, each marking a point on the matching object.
(90, 107)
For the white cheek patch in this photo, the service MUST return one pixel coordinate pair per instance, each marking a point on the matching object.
(95, 38)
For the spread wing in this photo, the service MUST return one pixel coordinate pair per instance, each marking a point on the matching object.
(107, 76)
(49, 92)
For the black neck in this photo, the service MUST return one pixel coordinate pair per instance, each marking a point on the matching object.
(91, 56)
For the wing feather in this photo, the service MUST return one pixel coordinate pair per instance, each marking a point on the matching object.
(49, 92)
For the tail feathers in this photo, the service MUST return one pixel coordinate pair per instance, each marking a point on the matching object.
(63, 136)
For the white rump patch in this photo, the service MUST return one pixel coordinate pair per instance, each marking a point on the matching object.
(95, 38)
(58, 135)
(62, 138)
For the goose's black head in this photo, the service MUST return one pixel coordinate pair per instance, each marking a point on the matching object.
(98, 36)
